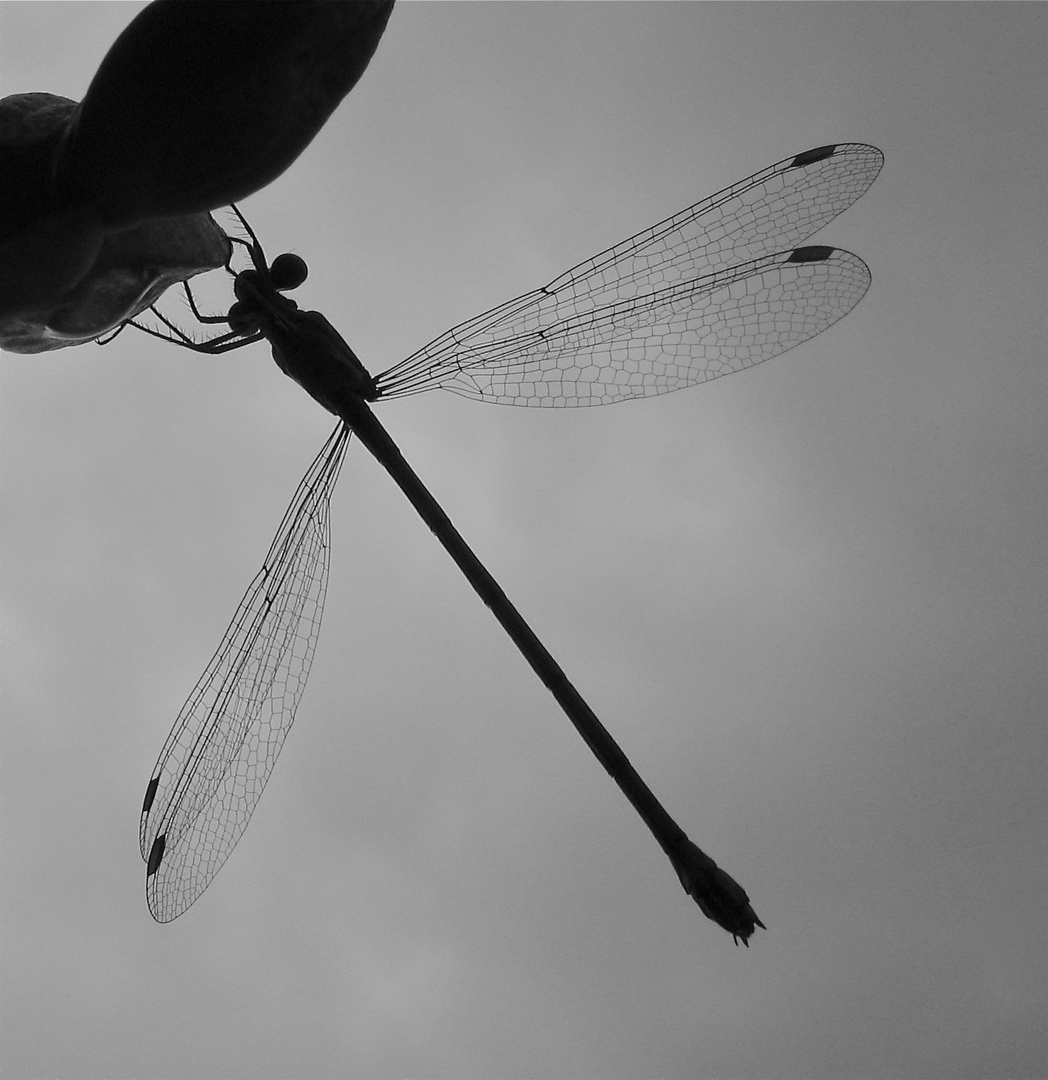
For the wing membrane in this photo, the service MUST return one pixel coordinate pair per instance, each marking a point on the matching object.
(218, 757)
(681, 282)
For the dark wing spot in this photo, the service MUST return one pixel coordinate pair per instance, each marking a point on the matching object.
(156, 855)
(812, 253)
(150, 794)
(809, 157)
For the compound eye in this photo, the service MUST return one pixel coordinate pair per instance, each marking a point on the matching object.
(288, 271)
(247, 285)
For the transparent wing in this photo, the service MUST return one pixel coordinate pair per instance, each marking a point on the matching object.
(716, 288)
(218, 757)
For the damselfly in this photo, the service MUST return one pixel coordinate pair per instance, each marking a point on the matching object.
(719, 287)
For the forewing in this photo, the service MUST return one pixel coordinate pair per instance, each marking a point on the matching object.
(221, 751)
(715, 288)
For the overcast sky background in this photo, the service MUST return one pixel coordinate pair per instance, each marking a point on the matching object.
(811, 601)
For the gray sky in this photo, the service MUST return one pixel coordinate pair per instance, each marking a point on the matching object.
(809, 600)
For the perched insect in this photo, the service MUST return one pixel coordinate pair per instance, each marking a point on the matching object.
(719, 287)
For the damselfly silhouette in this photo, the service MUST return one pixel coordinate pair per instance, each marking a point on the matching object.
(719, 287)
